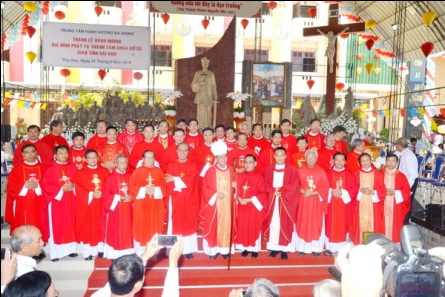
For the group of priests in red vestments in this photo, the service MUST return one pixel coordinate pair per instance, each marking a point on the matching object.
(297, 194)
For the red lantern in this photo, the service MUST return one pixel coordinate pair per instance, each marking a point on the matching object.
(165, 17)
(60, 15)
(205, 23)
(359, 56)
(65, 72)
(272, 5)
(310, 83)
(137, 75)
(339, 86)
(312, 12)
(344, 35)
(376, 56)
(98, 10)
(427, 48)
(45, 10)
(244, 23)
(102, 74)
(31, 31)
(369, 44)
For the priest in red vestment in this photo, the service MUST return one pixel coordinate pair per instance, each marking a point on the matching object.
(343, 189)
(397, 202)
(353, 163)
(220, 133)
(60, 199)
(326, 154)
(230, 139)
(267, 154)
(314, 137)
(24, 202)
(118, 212)
(289, 141)
(298, 158)
(204, 157)
(368, 209)
(339, 133)
(100, 136)
(217, 205)
(170, 155)
(163, 137)
(235, 157)
(192, 136)
(312, 207)
(109, 150)
(89, 206)
(55, 138)
(45, 153)
(130, 136)
(182, 199)
(148, 144)
(77, 151)
(251, 208)
(282, 189)
(257, 142)
(147, 189)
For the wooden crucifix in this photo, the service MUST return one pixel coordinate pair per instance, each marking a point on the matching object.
(332, 31)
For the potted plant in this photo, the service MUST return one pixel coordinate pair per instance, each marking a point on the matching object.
(238, 112)
(170, 110)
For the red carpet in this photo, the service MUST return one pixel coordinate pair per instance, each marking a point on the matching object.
(204, 277)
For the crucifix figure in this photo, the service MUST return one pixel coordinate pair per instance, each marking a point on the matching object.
(331, 31)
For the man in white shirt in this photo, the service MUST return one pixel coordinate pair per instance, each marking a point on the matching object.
(438, 139)
(26, 242)
(407, 160)
(416, 146)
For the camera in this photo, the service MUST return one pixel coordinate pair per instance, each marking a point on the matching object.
(408, 269)
(167, 240)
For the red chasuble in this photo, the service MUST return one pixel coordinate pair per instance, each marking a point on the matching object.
(289, 142)
(368, 215)
(298, 159)
(338, 217)
(231, 144)
(326, 158)
(235, 157)
(194, 140)
(215, 220)
(396, 206)
(287, 203)
(77, 157)
(257, 144)
(185, 202)
(352, 162)
(89, 209)
(310, 211)
(52, 140)
(165, 141)
(108, 152)
(63, 210)
(118, 214)
(148, 211)
(95, 141)
(249, 219)
(170, 155)
(315, 141)
(44, 152)
(25, 209)
(129, 140)
(341, 146)
(141, 147)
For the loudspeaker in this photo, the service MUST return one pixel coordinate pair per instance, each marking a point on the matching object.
(435, 215)
(6, 133)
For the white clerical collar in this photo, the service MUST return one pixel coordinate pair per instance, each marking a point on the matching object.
(258, 137)
(232, 141)
(193, 134)
(163, 135)
(222, 168)
(60, 162)
(112, 142)
(208, 144)
(367, 170)
(242, 148)
(338, 170)
(120, 172)
(33, 163)
(285, 135)
(33, 141)
(329, 148)
(130, 132)
(391, 171)
(92, 167)
(77, 149)
(357, 152)
(313, 134)
(149, 141)
(273, 146)
(102, 135)
(278, 166)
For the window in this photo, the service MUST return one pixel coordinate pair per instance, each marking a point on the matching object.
(303, 61)
(109, 3)
(265, 9)
(201, 50)
(161, 55)
(301, 11)
(261, 55)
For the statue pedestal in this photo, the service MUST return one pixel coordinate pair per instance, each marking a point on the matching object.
(238, 121)
(171, 120)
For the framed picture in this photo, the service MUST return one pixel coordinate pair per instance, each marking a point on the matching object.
(268, 84)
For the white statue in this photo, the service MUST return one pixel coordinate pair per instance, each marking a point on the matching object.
(330, 50)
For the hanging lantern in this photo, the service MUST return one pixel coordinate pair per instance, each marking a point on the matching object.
(65, 72)
(312, 12)
(339, 86)
(415, 121)
(427, 48)
(359, 40)
(369, 67)
(377, 71)
(376, 56)
(244, 23)
(98, 10)
(310, 83)
(272, 5)
(30, 6)
(60, 15)
(137, 75)
(344, 35)
(165, 17)
(359, 70)
(359, 56)
(370, 24)
(428, 18)
(205, 23)
(31, 56)
(30, 30)
(102, 73)
(369, 44)
(45, 10)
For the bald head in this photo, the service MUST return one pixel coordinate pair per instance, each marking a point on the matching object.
(401, 144)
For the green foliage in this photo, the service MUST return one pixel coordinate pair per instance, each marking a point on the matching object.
(170, 107)
(238, 109)
(384, 133)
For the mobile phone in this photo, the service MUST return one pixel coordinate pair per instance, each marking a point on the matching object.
(3, 253)
(167, 240)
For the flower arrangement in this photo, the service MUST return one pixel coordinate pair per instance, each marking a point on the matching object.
(327, 125)
(169, 101)
(238, 97)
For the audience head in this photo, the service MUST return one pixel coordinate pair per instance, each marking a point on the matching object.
(262, 287)
(401, 144)
(35, 283)
(126, 275)
(327, 288)
(26, 240)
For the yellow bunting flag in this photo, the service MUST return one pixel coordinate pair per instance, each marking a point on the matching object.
(43, 106)
(21, 103)
(386, 111)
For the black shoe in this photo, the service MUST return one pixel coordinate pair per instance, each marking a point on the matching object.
(213, 257)
(189, 256)
(73, 255)
(302, 253)
(316, 254)
(244, 253)
(254, 255)
(283, 256)
(273, 254)
(328, 253)
(89, 258)
(41, 255)
(225, 256)
(55, 260)
(100, 255)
